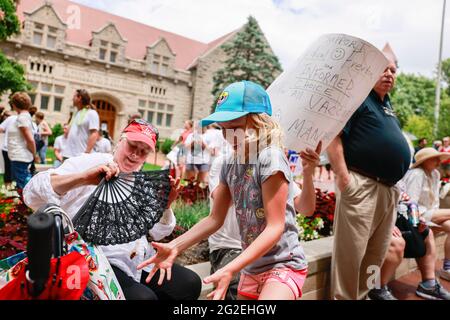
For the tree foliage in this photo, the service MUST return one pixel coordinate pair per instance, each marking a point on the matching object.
(413, 94)
(12, 74)
(446, 73)
(413, 99)
(249, 58)
(9, 23)
(420, 126)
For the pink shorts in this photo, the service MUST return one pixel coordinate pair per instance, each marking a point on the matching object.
(250, 286)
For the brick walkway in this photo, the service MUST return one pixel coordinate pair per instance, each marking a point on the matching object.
(404, 288)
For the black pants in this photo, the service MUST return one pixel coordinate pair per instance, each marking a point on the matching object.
(184, 285)
(7, 177)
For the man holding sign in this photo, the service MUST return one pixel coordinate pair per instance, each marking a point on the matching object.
(368, 158)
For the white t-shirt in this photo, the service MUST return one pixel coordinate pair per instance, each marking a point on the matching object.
(17, 146)
(40, 128)
(228, 236)
(60, 143)
(5, 125)
(195, 154)
(103, 146)
(39, 191)
(83, 121)
(216, 140)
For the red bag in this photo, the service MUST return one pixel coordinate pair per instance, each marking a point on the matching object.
(68, 278)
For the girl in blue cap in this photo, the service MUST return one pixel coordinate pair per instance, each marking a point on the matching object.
(256, 178)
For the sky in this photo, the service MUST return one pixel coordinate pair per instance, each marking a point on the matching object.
(412, 27)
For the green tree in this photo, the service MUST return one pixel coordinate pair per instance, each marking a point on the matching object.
(249, 58)
(12, 76)
(420, 126)
(446, 73)
(9, 23)
(413, 95)
(11, 73)
(444, 117)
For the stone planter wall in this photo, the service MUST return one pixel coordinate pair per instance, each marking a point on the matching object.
(318, 254)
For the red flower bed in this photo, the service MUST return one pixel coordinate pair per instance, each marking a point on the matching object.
(192, 192)
(13, 226)
(325, 205)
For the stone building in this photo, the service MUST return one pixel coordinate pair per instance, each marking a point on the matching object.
(126, 66)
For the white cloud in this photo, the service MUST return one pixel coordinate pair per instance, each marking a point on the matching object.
(411, 26)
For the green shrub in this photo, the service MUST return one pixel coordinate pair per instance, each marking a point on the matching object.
(167, 146)
(57, 130)
(188, 215)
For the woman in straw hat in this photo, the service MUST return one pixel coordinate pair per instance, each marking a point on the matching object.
(422, 184)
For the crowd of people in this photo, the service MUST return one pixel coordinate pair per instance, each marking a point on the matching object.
(237, 151)
(27, 133)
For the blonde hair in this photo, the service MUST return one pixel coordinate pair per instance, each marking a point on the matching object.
(261, 132)
(268, 131)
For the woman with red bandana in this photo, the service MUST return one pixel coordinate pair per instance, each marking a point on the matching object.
(70, 185)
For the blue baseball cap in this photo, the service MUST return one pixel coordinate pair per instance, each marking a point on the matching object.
(237, 100)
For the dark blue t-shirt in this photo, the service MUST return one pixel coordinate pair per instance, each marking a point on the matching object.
(373, 140)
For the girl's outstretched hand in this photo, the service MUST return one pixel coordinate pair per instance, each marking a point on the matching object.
(163, 261)
(310, 159)
(221, 280)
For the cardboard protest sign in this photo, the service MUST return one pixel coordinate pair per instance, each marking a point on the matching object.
(315, 98)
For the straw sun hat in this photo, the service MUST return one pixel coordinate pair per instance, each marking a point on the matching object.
(428, 153)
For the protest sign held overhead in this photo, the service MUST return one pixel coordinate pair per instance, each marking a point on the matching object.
(314, 99)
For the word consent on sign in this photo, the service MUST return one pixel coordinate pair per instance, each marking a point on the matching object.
(315, 98)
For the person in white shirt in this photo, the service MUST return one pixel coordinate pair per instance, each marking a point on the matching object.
(216, 142)
(422, 184)
(84, 126)
(59, 145)
(21, 145)
(4, 126)
(70, 185)
(103, 144)
(197, 156)
(43, 132)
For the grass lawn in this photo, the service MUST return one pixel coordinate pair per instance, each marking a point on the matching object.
(150, 166)
(50, 155)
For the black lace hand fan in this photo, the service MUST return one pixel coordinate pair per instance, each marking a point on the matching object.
(123, 209)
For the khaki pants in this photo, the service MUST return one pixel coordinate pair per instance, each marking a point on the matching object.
(364, 219)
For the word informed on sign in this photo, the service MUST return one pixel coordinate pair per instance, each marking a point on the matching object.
(314, 99)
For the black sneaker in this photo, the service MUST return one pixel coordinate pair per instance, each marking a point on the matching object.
(435, 293)
(381, 294)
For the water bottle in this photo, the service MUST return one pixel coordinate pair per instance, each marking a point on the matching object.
(414, 214)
